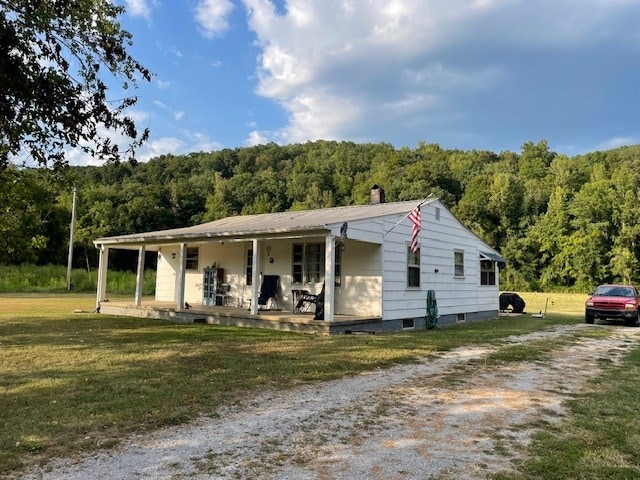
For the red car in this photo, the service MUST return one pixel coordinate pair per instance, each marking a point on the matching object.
(615, 302)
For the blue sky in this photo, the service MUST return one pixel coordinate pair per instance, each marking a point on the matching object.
(467, 74)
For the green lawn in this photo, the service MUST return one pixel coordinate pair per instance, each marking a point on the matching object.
(72, 382)
(560, 303)
(600, 439)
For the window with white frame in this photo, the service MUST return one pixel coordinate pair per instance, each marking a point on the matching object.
(192, 258)
(337, 264)
(297, 262)
(308, 263)
(249, 267)
(413, 268)
(458, 263)
(314, 262)
(487, 272)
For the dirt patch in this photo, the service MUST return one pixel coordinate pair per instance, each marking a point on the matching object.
(451, 416)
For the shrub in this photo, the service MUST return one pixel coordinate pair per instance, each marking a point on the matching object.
(53, 279)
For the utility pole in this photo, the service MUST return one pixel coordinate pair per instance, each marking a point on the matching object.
(73, 222)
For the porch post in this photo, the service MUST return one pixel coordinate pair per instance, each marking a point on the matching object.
(103, 265)
(329, 277)
(139, 275)
(180, 276)
(255, 285)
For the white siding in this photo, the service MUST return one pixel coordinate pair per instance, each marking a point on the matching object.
(166, 273)
(229, 256)
(439, 239)
(359, 294)
(361, 290)
(364, 265)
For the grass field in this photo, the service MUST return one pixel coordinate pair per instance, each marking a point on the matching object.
(560, 303)
(53, 279)
(72, 382)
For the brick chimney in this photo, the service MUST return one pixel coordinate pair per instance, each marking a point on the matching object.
(377, 195)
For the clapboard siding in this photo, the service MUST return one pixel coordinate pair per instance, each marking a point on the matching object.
(374, 268)
(361, 289)
(439, 239)
(228, 256)
(166, 275)
(359, 294)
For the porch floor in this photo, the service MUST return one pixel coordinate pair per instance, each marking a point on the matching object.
(242, 317)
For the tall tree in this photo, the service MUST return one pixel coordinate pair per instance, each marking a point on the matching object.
(53, 55)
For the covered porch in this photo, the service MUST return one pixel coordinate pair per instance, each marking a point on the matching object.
(334, 255)
(243, 317)
(347, 272)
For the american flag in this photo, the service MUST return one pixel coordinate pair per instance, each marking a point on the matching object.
(416, 221)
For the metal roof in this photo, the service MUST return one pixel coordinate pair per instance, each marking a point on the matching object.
(269, 223)
(492, 256)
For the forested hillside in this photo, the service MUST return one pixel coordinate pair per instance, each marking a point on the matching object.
(561, 223)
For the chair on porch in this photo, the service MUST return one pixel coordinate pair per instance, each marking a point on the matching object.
(269, 291)
(305, 302)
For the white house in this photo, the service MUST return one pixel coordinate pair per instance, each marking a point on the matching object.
(361, 255)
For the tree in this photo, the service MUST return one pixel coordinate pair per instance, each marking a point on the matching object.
(53, 56)
(29, 217)
(535, 159)
(474, 211)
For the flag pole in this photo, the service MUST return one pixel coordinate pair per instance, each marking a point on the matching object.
(409, 213)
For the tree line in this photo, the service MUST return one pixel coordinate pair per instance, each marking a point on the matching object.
(560, 222)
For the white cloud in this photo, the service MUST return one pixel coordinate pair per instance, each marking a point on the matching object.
(616, 142)
(155, 147)
(256, 138)
(138, 8)
(138, 116)
(339, 66)
(212, 15)
(201, 142)
(318, 116)
(176, 114)
(164, 84)
(183, 142)
(333, 65)
(176, 52)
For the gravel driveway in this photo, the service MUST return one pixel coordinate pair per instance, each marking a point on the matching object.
(449, 417)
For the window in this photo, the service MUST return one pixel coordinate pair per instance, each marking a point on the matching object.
(308, 263)
(249, 267)
(315, 262)
(437, 213)
(408, 323)
(413, 268)
(461, 317)
(487, 272)
(192, 258)
(337, 263)
(298, 262)
(458, 263)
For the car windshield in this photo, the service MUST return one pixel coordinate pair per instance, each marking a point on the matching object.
(615, 291)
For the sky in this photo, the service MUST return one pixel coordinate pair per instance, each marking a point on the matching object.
(465, 74)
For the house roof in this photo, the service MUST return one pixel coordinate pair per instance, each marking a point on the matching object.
(268, 223)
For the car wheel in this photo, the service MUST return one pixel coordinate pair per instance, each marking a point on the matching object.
(633, 321)
(588, 317)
